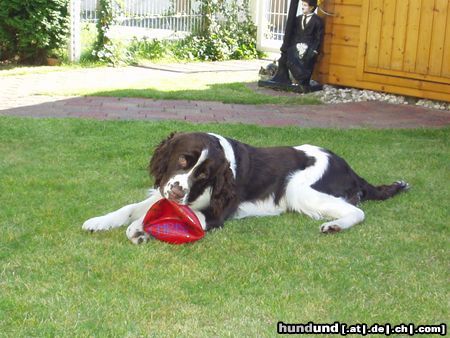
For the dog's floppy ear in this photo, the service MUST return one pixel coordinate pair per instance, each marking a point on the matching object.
(160, 159)
(223, 196)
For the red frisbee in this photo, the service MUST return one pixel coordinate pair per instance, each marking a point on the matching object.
(171, 222)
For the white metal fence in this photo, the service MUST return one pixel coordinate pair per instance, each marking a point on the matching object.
(185, 15)
(163, 18)
(276, 16)
(169, 15)
(272, 16)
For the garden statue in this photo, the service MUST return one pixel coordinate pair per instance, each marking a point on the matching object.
(301, 44)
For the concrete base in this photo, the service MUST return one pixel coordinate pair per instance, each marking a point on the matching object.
(289, 87)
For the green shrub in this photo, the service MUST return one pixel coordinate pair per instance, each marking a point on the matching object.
(227, 33)
(150, 49)
(32, 30)
(221, 43)
(114, 53)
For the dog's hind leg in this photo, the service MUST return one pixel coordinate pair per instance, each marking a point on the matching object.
(347, 215)
(344, 215)
(383, 192)
(318, 205)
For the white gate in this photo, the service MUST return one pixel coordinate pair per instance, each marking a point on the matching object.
(271, 22)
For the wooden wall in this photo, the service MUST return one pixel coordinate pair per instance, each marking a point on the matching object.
(396, 46)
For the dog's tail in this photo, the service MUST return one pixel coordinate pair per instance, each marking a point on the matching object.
(383, 192)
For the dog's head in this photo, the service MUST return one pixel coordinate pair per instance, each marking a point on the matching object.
(187, 166)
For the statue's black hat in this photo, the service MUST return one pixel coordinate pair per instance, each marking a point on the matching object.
(311, 2)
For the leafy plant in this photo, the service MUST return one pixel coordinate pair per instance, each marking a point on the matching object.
(115, 53)
(32, 30)
(150, 48)
(105, 49)
(227, 33)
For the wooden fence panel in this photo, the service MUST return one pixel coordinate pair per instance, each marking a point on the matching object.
(407, 38)
(373, 34)
(445, 72)
(347, 15)
(409, 63)
(387, 34)
(438, 37)
(425, 34)
(400, 32)
(344, 35)
(397, 46)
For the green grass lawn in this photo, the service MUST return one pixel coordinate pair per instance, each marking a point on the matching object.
(235, 92)
(57, 280)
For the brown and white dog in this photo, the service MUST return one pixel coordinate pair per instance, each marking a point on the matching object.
(221, 178)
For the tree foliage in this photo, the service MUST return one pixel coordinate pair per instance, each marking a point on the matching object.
(32, 30)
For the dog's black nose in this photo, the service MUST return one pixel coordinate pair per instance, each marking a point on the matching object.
(176, 192)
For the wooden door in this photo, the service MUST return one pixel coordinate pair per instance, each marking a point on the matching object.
(406, 40)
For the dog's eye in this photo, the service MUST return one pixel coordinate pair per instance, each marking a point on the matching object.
(202, 176)
(202, 173)
(182, 161)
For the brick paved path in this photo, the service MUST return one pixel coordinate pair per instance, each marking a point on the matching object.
(21, 95)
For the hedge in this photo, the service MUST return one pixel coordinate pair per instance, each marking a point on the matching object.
(30, 31)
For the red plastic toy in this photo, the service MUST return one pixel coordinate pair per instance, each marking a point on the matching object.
(171, 222)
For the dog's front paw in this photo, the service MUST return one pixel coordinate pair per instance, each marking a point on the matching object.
(136, 233)
(139, 237)
(99, 224)
(330, 228)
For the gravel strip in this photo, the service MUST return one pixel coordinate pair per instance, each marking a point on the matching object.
(332, 94)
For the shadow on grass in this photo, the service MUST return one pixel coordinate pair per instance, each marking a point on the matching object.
(236, 92)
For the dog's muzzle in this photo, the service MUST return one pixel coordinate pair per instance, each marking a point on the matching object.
(176, 192)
